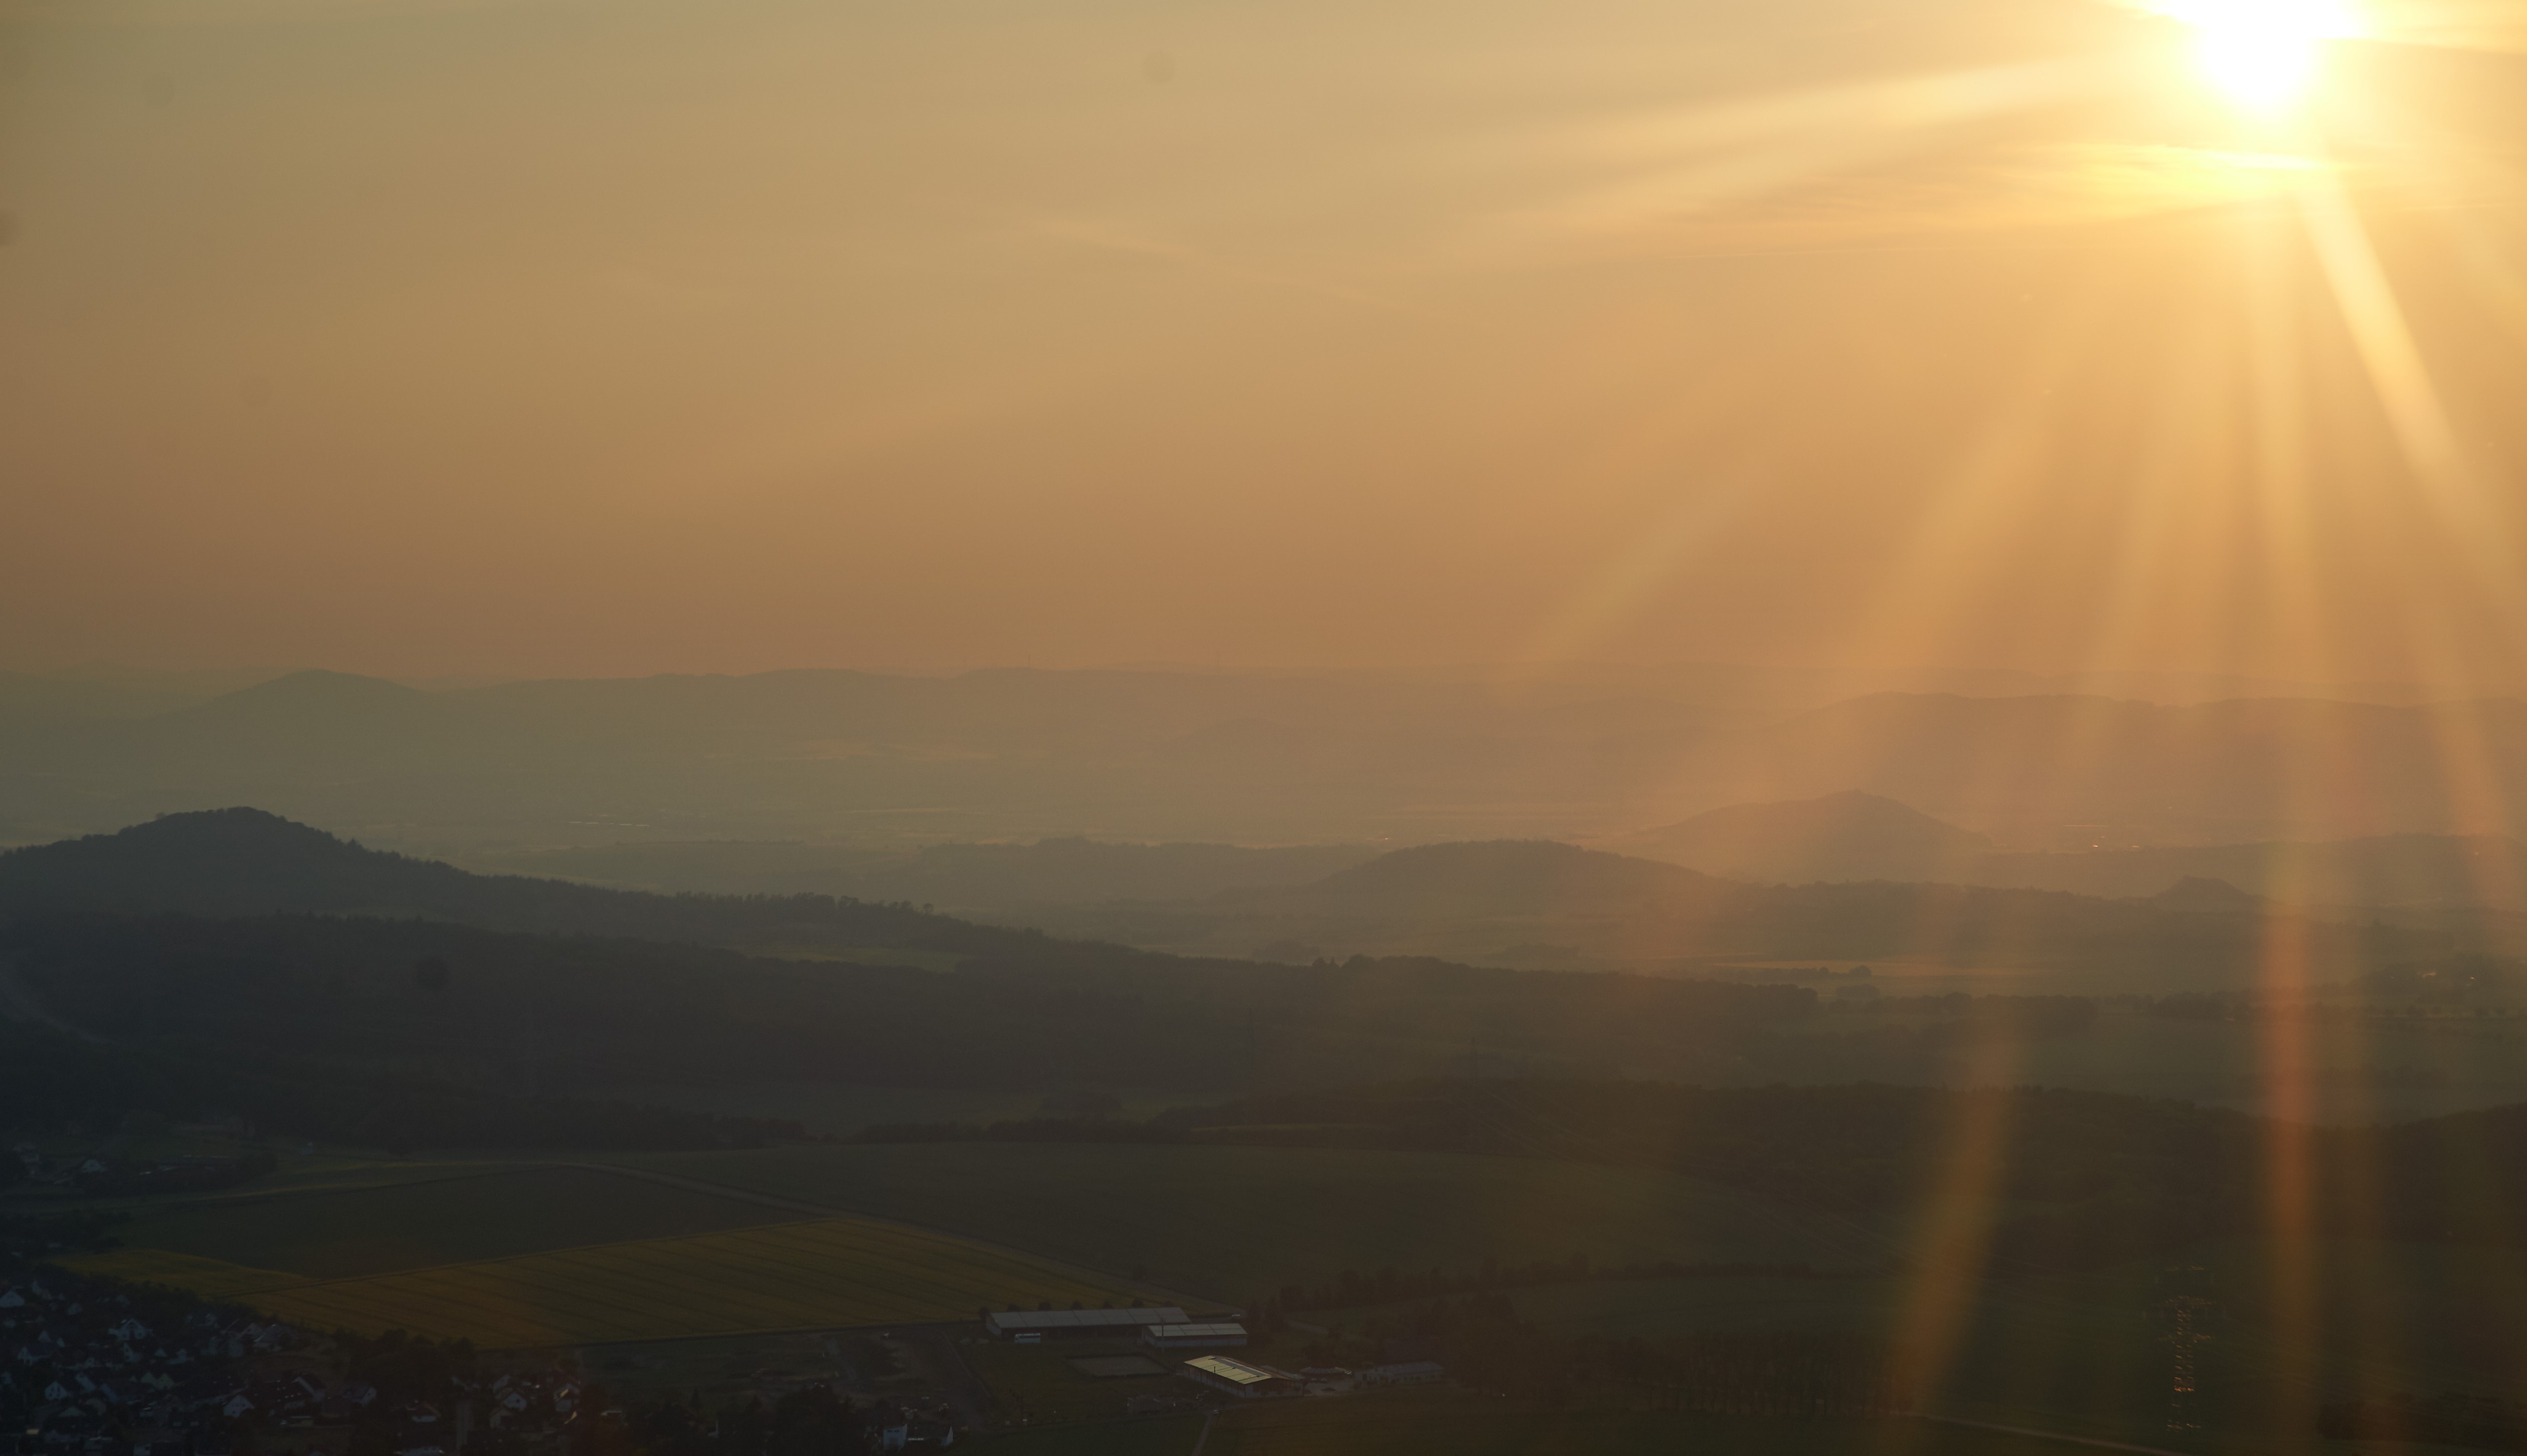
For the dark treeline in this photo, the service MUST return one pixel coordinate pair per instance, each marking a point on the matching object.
(2482, 1423)
(1388, 1285)
(1846, 1147)
(540, 1014)
(2092, 1178)
(48, 1080)
(1485, 1344)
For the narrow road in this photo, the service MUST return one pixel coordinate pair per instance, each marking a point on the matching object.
(966, 1395)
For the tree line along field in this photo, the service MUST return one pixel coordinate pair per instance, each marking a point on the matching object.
(1433, 1425)
(1236, 1222)
(503, 1257)
(831, 1272)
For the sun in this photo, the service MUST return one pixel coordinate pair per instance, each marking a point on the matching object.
(2263, 55)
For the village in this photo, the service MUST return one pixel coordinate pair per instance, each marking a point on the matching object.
(97, 1368)
(97, 1371)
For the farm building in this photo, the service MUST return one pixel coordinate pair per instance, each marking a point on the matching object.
(1195, 1335)
(1241, 1379)
(1057, 1324)
(1410, 1372)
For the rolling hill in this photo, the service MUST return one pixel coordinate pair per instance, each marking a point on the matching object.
(961, 878)
(244, 862)
(1849, 835)
(1854, 837)
(1462, 901)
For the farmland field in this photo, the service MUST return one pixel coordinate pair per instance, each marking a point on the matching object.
(1654, 1309)
(827, 1273)
(1040, 1384)
(839, 1111)
(1228, 1222)
(212, 1279)
(382, 1230)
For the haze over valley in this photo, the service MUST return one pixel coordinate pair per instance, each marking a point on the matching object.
(1296, 728)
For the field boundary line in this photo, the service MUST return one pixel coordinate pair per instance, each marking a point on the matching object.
(1081, 1272)
(940, 1238)
(251, 1196)
(2055, 1436)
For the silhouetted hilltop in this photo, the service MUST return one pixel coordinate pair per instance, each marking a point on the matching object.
(1460, 902)
(2029, 769)
(1847, 835)
(102, 693)
(1503, 876)
(1528, 903)
(246, 862)
(2418, 870)
(1855, 835)
(2197, 892)
(956, 877)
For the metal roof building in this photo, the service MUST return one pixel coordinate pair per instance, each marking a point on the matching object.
(1057, 1323)
(1240, 1378)
(1195, 1335)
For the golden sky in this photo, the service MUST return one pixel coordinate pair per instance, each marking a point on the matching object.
(568, 337)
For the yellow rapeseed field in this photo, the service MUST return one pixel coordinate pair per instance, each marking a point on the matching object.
(814, 1275)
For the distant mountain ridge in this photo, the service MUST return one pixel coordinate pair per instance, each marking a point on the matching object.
(1848, 835)
(1859, 836)
(1253, 758)
(1457, 901)
(1504, 875)
(234, 863)
(961, 879)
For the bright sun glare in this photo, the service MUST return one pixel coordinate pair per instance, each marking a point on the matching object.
(2263, 54)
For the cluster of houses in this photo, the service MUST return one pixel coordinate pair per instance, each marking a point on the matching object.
(102, 1174)
(912, 1428)
(533, 1403)
(85, 1373)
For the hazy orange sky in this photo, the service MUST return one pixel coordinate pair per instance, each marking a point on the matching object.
(563, 337)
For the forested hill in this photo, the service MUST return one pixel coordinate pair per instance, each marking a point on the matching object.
(244, 862)
(1457, 902)
(1462, 900)
(546, 1013)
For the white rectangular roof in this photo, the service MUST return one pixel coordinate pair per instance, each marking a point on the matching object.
(1237, 1371)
